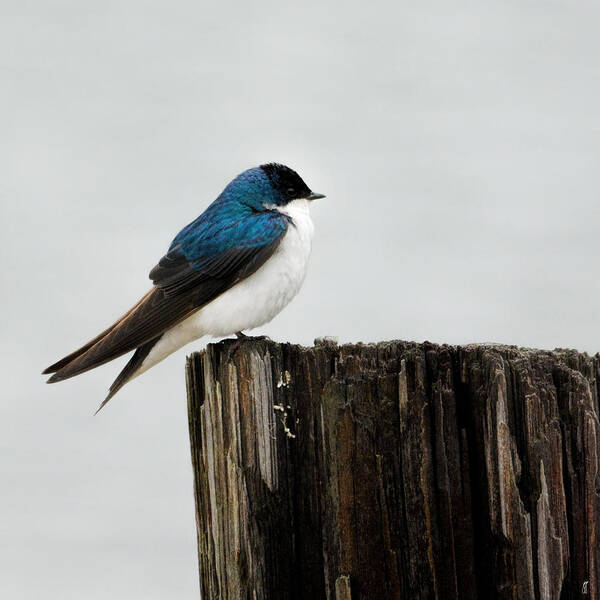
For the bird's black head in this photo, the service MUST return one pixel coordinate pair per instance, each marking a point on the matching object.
(287, 184)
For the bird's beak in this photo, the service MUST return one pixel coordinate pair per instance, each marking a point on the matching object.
(314, 196)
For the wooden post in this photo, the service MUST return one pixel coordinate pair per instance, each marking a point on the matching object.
(395, 471)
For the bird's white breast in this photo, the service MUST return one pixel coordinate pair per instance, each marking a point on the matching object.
(258, 298)
(255, 300)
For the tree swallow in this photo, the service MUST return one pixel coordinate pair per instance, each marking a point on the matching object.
(234, 268)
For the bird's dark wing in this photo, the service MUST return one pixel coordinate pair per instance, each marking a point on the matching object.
(185, 279)
(175, 273)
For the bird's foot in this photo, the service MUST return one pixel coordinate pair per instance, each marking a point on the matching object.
(232, 348)
(243, 336)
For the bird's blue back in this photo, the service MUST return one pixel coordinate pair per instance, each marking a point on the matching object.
(236, 219)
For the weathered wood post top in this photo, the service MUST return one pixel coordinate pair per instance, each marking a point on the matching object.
(395, 471)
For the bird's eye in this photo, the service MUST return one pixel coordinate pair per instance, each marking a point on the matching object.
(291, 192)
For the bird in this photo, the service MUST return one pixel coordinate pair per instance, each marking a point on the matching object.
(232, 269)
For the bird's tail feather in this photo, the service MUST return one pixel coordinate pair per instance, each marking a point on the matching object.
(70, 358)
(143, 324)
(129, 371)
(63, 362)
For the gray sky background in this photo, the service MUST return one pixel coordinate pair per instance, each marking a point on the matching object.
(458, 145)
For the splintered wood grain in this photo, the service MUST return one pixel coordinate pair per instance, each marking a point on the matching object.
(395, 470)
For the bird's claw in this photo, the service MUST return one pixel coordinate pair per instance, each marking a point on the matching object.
(242, 336)
(232, 348)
